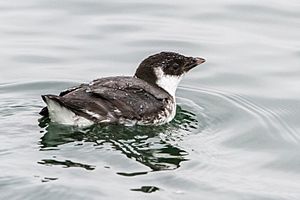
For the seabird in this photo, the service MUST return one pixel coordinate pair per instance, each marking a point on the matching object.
(147, 98)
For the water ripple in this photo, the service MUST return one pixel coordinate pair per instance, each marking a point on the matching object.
(276, 126)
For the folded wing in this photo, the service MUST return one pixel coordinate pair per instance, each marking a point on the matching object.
(112, 98)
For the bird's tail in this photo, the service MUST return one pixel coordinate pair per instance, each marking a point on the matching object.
(56, 111)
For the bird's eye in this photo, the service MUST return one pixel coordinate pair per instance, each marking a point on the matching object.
(175, 66)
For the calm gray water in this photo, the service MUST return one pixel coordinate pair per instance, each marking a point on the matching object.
(237, 130)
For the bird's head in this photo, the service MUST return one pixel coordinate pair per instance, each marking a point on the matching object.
(166, 69)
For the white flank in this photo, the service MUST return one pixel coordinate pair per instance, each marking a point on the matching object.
(172, 114)
(97, 116)
(167, 82)
(62, 115)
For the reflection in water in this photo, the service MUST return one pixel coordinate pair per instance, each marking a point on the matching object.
(146, 189)
(47, 179)
(153, 146)
(66, 163)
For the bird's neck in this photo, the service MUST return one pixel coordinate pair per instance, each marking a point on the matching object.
(159, 79)
(167, 82)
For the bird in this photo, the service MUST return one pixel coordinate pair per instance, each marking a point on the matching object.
(147, 98)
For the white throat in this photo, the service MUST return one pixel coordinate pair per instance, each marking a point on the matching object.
(167, 82)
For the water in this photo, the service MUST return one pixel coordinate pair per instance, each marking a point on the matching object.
(236, 133)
